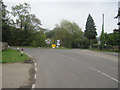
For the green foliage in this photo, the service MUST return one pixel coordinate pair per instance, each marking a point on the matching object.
(49, 33)
(107, 46)
(38, 40)
(20, 13)
(5, 32)
(23, 19)
(67, 32)
(5, 25)
(64, 36)
(81, 43)
(90, 31)
(96, 46)
(112, 38)
(24, 28)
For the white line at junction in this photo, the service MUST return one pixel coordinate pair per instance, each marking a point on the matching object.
(35, 69)
(104, 74)
(33, 86)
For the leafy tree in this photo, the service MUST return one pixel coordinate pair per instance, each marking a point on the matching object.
(90, 30)
(24, 28)
(49, 33)
(20, 12)
(67, 32)
(112, 38)
(23, 19)
(38, 39)
(118, 16)
(32, 22)
(5, 25)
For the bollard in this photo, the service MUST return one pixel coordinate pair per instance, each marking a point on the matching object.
(22, 52)
(18, 49)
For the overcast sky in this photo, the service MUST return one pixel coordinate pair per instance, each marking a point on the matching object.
(52, 12)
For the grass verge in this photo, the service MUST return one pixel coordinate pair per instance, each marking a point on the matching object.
(41, 47)
(0, 56)
(12, 56)
(104, 50)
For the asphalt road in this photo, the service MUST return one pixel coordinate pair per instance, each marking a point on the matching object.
(74, 68)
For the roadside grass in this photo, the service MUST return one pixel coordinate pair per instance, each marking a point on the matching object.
(24, 46)
(41, 47)
(104, 50)
(0, 56)
(12, 56)
(62, 48)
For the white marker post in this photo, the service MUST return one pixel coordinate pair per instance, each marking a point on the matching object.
(18, 49)
(22, 52)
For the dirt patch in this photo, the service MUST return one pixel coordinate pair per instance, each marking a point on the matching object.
(31, 73)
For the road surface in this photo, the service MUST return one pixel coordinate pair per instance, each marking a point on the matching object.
(74, 68)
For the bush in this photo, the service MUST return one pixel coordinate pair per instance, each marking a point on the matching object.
(80, 43)
(95, 46)
(108, 47)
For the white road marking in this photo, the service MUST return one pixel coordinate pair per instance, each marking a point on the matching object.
(28, 55)
(35, 69)
(35, 64)
(33, 86)
(104, 74)
(35, 76)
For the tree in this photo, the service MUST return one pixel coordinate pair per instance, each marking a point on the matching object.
(23, 19)
(90, 30)
(5, 23)
(19, 12)
(112, 38)
(118, 16)
(49, 33)
(24, 28)
(67, 32)
(38, 39)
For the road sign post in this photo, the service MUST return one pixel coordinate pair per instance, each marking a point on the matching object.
(48, 41)
(58, 43)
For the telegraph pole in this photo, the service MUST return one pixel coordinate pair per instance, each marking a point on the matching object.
(102, 33)
(118, 16)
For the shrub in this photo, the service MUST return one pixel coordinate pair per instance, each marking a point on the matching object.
(95, 46)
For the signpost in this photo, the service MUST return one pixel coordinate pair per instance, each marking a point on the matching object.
(58, 43)
(53, 45)
(48, 41)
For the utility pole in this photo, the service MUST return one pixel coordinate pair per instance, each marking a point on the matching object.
(118, 16)
(102, 33)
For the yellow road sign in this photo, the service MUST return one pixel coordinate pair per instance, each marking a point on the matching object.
(53, 45)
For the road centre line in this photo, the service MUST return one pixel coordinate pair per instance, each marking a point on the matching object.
(104, 74)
